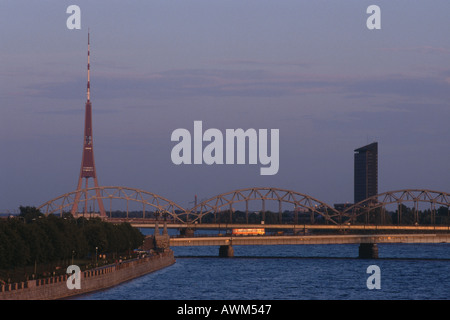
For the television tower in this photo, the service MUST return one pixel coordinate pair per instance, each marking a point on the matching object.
(87, 162)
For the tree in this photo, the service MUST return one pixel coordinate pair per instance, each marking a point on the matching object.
(30, 213)
(33, 238)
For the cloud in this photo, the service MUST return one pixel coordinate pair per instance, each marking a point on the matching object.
(419, 49)
(260, 63)
(183, 83)
(70, 112)
(434, 88)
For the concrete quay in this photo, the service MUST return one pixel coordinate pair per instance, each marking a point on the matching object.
(91, 280)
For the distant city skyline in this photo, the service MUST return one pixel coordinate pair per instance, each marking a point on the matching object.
(311, 69)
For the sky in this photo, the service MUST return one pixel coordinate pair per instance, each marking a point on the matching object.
(311, 69)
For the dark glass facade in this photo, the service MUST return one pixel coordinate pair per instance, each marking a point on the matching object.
(366, 172)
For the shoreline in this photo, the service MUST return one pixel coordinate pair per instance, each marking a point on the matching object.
(55, 288)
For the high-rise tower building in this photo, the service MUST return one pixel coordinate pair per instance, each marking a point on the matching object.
(87, 161)
(366, 172)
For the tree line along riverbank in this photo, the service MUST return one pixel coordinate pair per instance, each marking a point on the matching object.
(33, 245)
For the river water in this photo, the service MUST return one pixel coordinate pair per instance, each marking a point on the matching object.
(294, 272)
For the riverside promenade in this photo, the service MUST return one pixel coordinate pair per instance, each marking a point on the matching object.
(91, 280)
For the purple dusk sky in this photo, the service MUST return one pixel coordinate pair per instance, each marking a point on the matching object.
(311, 69)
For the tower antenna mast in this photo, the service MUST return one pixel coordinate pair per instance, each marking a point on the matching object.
(87, 162)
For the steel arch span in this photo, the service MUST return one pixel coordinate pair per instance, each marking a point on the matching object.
(225, 201)
(399, 197)
(160, 204)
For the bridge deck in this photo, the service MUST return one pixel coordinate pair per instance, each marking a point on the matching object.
(141, 223)
(316, 239)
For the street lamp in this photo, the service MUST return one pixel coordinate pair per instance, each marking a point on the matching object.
(96, 248)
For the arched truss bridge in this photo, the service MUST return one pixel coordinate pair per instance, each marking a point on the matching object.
(379, 202)
(298, 202)
(159, 204)
(223, 203)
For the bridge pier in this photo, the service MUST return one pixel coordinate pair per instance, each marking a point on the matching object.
(368, 251)
(226, 251)
(187, 232)
(158, 242)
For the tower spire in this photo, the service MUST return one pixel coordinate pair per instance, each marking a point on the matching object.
(87, 161)
(88, 70)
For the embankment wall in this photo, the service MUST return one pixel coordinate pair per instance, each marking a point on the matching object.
(91, 280)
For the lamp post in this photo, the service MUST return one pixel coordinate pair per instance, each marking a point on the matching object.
(96, 248)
